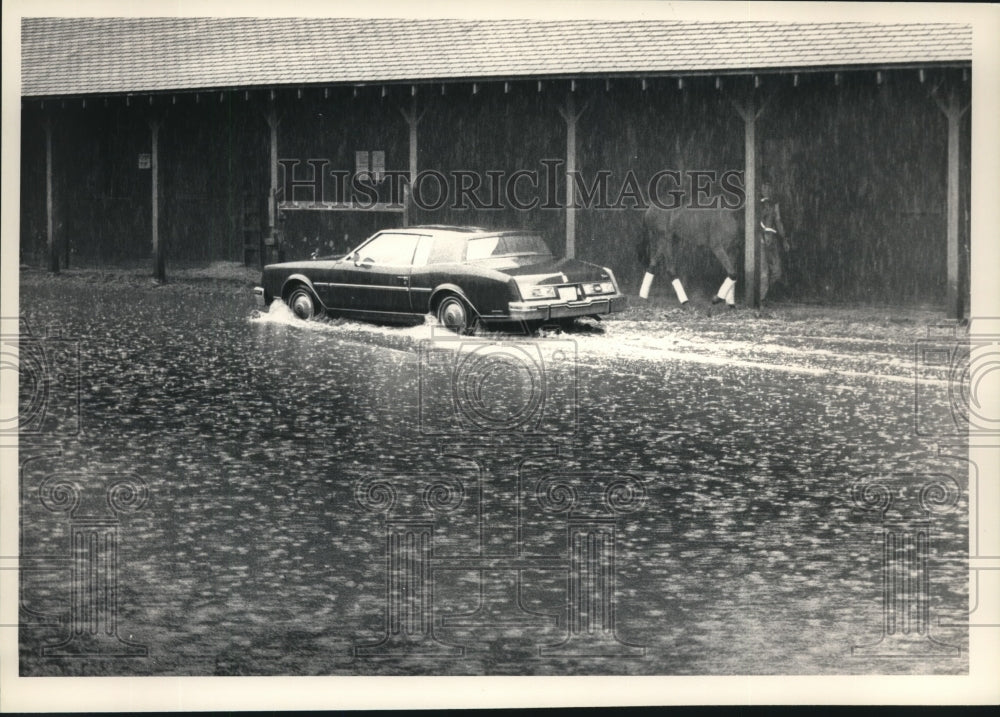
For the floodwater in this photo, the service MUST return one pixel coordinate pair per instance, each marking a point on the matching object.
(340, 498)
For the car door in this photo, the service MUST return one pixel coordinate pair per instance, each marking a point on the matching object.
(377, 274)
(422, 275)
(331, 280)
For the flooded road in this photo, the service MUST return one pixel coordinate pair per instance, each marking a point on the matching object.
(631, 497)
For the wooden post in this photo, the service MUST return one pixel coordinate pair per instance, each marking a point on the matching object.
(953, 111)
(571, 118)
(413, 122)
(159, 268)
(750, 110)
(272, 200)
(571, 115)
(751, 251)
(412, 119)
(954, 305)
(53, 254)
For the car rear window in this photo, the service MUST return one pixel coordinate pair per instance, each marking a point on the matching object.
(506, 245)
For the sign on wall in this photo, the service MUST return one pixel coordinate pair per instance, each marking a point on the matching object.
(378, 164)
(370, 165)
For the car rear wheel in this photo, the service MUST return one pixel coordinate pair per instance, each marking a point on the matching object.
(453, 314)
(301, 302)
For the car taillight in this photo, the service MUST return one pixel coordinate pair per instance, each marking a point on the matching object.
(541, 292)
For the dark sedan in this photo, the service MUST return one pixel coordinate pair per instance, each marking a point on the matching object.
(461, 275)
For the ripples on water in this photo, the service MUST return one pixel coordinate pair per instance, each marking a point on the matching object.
(254, 556)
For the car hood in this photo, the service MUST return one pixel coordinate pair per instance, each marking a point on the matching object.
(552, 271)
(305, 264)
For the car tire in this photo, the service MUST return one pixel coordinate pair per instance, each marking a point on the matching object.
(454, 314)
(302, 303)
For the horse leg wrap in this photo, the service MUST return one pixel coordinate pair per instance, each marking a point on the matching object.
(731, 296)
(724, 290)
(647, 281)
(679, 289)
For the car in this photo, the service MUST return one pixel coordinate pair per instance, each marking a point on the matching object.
(461, 275)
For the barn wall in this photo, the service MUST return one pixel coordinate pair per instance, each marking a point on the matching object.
(213, 167)
(493, 131)
(32, 188)
(860, 169)
(101, 207)
(863, 179)
(334, 129)
(212, 159)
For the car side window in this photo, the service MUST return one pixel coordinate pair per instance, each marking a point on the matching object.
(423, 251)
(446, 250)
(389, 248)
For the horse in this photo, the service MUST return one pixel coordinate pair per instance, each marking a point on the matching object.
(666, 229)
(721, 231)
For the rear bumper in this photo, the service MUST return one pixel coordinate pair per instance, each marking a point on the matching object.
(525, 311)
(258, 296)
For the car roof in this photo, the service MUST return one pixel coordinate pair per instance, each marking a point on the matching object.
(468, 231)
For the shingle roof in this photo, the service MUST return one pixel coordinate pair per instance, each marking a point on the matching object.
(72, 56)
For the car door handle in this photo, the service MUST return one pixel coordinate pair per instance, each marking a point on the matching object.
(403, 279)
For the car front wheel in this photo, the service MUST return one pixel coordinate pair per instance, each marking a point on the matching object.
(301, 302)
(453, 314)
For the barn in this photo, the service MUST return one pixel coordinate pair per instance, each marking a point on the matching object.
(174, 141)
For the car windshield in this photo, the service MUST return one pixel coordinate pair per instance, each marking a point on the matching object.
(505, 245)
(389, 248)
